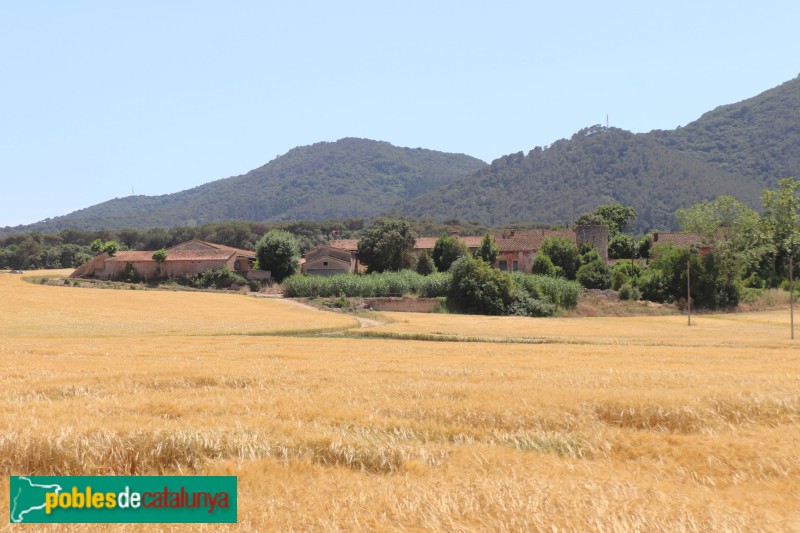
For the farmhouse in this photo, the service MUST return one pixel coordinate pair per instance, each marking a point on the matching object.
(329, 260)
(184, 259)
(516, 249)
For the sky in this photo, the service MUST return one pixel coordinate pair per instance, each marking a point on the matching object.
(102, 99)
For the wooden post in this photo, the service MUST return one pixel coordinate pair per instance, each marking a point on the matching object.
(791, 294)
(689, 289)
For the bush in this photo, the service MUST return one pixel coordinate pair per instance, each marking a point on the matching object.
(557, 291)
(478, 288)
(629, 292)
(382, 284)
(594, 275)
(219, 279)
(525, 305)
(425, 264)
(563, 253)
(543, 265)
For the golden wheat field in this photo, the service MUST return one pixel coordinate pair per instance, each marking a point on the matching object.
(425, 423)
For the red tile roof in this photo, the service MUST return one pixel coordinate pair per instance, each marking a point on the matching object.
(351, 245)
(173, 255)
(522, 241)
(427, 243)
(198, 245)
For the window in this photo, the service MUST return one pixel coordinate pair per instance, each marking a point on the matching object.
(515, 266)
(325, 263)
(237, 265)
(503, 265)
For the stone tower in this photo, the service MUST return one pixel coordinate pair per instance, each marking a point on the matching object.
(597, 236)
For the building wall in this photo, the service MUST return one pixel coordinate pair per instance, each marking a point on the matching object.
(318, 267)
(597, 236)
(149, 269)
(524, 259)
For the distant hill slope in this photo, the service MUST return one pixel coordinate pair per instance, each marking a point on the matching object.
(328, 180)
(596, 166)
(736, 149)
(758, 137)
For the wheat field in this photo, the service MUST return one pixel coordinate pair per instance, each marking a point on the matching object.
(426, 423)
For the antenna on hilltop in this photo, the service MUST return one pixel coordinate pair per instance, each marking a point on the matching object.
(606, 120)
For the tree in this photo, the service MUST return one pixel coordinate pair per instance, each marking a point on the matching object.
(594, 275)
(108, 247)
(779, 223)
(617, 216)
(487, 250)
(478, 288)
(543, 266)
(622, 246)
(387, 245)
(160, 256)
(446, 250)
(564, 255)
(278, 252)
(425, 264)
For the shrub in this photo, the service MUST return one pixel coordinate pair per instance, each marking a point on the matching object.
(563, 253)
(371, 285)
(478, 288)
(425, 264)
(219, 279)
(629, 292)
(543, 265)
(525, 305)
(594, 275)
(557, 291)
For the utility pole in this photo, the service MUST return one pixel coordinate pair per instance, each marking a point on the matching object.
(791, 293)
(689, 289)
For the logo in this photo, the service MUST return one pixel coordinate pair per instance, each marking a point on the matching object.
(123, 499)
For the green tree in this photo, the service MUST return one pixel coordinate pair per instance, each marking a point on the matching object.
(278, 252)
(160, 256)
(543, 265)
(564, 255)
(622, 246)
(487, 250)
(446, 250)
(425, 264)
(99, 247)
(617, 216)
(594, 275)
(478, 288)
(387, 245)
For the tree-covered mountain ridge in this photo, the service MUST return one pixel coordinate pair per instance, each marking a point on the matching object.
(328, 180)
(736, 149)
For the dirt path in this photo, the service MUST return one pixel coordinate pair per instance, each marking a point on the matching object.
(363, 322)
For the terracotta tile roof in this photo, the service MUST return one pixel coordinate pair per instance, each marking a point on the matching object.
(173, 255)
(529, 240)
(351, 245)
(328, 251)
(676, 239)
(198, 245)
(427, 243)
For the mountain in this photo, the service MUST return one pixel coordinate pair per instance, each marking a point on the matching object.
(349, 178)
(758, 137)
(737, 149)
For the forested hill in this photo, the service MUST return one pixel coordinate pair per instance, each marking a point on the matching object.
(597, 165)
(736, 149)
(328, 180)
(758, 137)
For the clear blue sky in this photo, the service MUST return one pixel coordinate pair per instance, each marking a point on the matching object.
(98, 98)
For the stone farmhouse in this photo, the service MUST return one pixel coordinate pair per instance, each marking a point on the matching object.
(516, 249)
(184, 259)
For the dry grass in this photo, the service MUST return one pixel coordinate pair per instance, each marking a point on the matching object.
(614, 424)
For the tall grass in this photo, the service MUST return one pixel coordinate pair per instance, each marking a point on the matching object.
(557, 291)
(382, 284)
